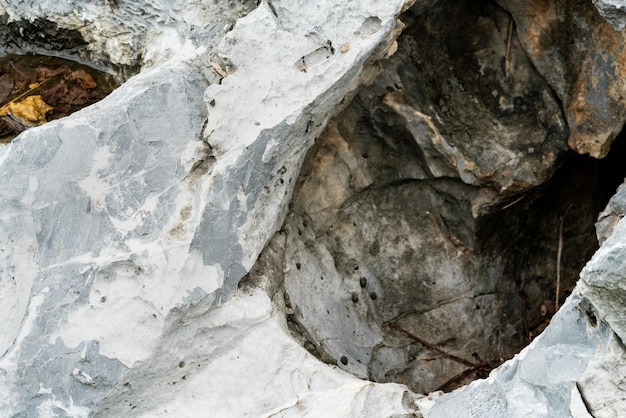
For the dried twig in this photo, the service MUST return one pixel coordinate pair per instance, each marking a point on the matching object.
(525, 327)
(558, 260)
(508, 205)
(460, 376)
(432, 346)
(218, 69)
(507, 57)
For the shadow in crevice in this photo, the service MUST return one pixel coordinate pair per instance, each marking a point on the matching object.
(526, 235)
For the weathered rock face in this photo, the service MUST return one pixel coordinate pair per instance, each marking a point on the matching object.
(403, 214)
(126, 220)
(583, 58)
(241, 219)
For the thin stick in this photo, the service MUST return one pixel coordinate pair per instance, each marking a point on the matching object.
(508, 205)
(507, 56)
(558, 260)
(525, 328)
(461, 375)
(431, 346)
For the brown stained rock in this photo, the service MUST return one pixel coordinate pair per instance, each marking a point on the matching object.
(583, 59)
(471, 101)
(433, 201)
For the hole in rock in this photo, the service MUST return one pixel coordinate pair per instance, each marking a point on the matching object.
(455, 240)
(35, 89)
(48, 71)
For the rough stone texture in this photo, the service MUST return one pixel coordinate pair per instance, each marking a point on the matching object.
(612, 214)
(123, 221)
(177, 249)
(584, 61)
(403, 211)
(576, 367)
(613, 11)
(479, 121)
(122, 34)
(543, 380)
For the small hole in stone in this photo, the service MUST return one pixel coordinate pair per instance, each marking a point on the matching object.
(344, 360)
(355, 298)
(363, 282)
(181, 364)
(373, 296)
(298, 265)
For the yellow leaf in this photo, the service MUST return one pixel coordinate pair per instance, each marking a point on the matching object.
(32, 110)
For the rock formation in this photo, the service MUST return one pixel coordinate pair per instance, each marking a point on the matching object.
(281, 194)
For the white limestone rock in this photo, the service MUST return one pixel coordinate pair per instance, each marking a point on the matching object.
(127, 227)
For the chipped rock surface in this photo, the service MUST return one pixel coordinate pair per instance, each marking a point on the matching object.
(576, 367)
(583, 58)
(398, 219)
(234, 229)
(613, 11)
(127, 220)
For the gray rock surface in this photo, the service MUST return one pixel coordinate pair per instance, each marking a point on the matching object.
(123, 221)
(576, 367)
(399, 219)
(240, 225)
(612, 214)
(613, 11)
(543, 380)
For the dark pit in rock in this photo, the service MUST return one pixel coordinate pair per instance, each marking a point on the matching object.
(455, 217)
(35, 89)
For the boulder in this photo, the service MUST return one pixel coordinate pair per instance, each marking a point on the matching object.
(283, 198)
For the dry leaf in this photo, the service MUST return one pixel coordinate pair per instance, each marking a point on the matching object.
(32, 109)
(34, 90)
